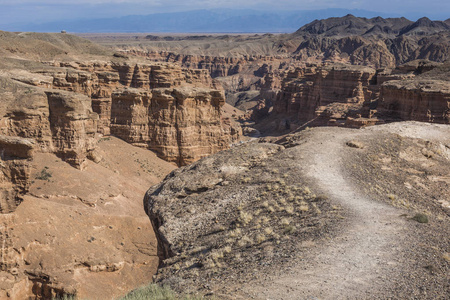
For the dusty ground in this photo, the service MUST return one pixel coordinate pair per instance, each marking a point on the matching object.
(79, 232)
(362, 244)
(381, 252)
(215, 45)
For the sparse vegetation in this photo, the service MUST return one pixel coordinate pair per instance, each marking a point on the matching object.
(156, 292)
(45, 174)
(421, 218)
(104, 139)
(65, 297)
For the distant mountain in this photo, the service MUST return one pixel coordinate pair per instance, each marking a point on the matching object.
(350, 25)
(425, 26)
(207, 21)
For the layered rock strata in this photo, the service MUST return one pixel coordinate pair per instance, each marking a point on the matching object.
(307, 93)
(59, 122)
(76, 232)
(420, 100)
(180, 125)
(195, 116)
(353, 96)
(15, 170)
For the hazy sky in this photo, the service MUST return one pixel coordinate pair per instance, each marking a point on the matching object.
(25, 11)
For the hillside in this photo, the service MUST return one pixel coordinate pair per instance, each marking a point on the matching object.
(326, 213)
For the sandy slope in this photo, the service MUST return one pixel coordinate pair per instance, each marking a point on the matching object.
(367, 260)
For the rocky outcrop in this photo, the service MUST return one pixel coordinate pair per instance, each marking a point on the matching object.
(353, 96)
(197, 126)
(420, 100)
(180, 125)
(218, 66)
(15, 170)
(59, 122)
(218, 219)
(245, 217)
(307, 92)
(73, 126)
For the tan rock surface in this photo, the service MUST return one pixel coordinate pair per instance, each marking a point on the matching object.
(421, 100)
(60, 122)
(82, 232)
(181, 125)
(15, 171)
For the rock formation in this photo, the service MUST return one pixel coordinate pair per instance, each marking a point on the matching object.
(420, 100)
(180, 125)
(79, 231)
(306, 92)
(227, 213)
(62, 123)
(249, 221)
(103, 82)
(353, 96)
(15, 171)
(66, 231)
(375, 42)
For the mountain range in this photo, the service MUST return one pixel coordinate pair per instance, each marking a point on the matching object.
(207, 21)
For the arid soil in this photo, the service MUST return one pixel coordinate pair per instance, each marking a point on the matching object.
(357, 247)
(80, 232)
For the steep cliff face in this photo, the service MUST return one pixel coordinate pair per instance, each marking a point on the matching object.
(15, 170)
(218, 66)
(354, 96)
(75, 232)
(95, 101)
(60, 122)
(73, 126)
(180, 125)
(420, 100)
(79, 231)
(307, 92)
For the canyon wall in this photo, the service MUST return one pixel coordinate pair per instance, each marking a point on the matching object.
(306, 92)
(66, 112)
(217, 66)
(180, 124)
(59, 122)
(352, 96)
(15, 171)
(101, 97)
(420, 100)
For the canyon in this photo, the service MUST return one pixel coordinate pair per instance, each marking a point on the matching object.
(220, 128)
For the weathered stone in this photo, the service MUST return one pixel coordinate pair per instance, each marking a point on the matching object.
(420, 100)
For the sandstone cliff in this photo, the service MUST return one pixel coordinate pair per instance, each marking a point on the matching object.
(375, 42)
(420, 100)
(79, 231)
(180, 125)
(60, 122)
(66, 231)
(103, 82)
(15, 171)
(353, 96)
(305, 93)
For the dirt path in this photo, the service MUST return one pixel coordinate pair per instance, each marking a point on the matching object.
(361, 260)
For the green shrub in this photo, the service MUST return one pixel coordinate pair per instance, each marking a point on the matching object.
(65, 297)
(44, 174)
(155, 292)
(421, 218)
